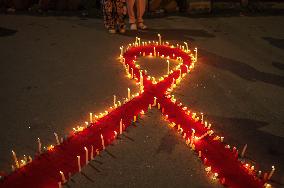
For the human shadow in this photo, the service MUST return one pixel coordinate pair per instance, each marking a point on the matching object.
(240, 69)
(265, 148)
(7, 32)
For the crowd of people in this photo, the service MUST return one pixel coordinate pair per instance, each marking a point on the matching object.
(115, 11)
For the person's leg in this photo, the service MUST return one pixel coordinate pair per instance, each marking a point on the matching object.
(141, 5)
(107, 6)
(120, 14)
(131, 14)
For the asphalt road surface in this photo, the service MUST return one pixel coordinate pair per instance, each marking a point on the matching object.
(55, 70)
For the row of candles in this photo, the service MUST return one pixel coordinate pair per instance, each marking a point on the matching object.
(266, 175)
(115, 105)
(189, 140)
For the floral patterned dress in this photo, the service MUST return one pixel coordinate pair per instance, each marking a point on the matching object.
(114, 13)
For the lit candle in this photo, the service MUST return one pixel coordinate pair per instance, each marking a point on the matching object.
(195, 54)
(121, 50)
(160, 39)
(186, 46)
(202, 119)
(79, 163)
(205, 161)
(134, 118)
(209, 126)
(154, 51)
(141, 79)
(15, 159)
(103, 142)
(120, 127)
(39, 145)
(132, 75)
(114, 100)
(244, 150)
(192, 137)
(128, 91)
(127, 69)
(271, 173)
(91, 117)
(155, 101)
(92, 152)
(87, 155)
(168, 66)
(159, 106)
(57, 139)
(63, 177)
(186, 68)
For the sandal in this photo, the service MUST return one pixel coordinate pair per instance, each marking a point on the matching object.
(133, 26)
(142, 26)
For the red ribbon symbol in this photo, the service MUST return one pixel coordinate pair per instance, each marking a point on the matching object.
(51, 168)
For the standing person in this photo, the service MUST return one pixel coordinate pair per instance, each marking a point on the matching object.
(114, 12)
(140, 6)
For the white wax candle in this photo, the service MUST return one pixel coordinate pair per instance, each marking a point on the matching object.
(168, 66)
(92, 152)
(91, 117)
(63, 177)
(160, 39)
(57, 139)
(15, 159)
(128, 91)
(87, 155)
(186, 46)
(114, 100)
(195, 54)
(79, 163)
(103, 142)
(39, 145)
(244, 150)
(271, 173)
(120, 126)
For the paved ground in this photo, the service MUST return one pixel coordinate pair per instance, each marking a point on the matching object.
(149, 154)
(54, 70)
